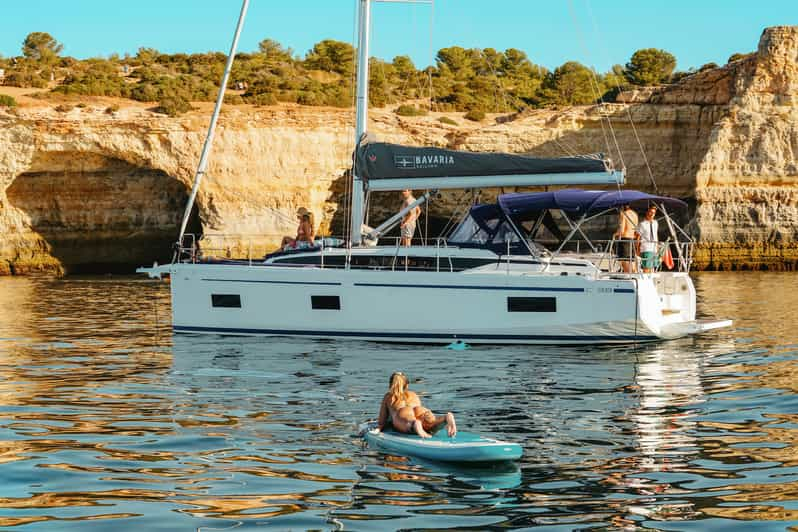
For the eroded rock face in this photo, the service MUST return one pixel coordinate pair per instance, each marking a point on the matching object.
(746, 185)
(82, 206)
(86, 187)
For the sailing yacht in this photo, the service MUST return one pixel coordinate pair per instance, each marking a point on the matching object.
(493, 279)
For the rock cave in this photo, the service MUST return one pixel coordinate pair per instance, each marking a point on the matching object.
(92, 213)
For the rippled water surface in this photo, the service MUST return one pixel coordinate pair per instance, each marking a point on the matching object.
(107, 421)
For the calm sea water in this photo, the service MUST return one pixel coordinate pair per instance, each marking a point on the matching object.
(107, 421)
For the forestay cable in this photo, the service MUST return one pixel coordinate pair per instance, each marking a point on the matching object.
(628, 109)
(206, 149)
(594, 86)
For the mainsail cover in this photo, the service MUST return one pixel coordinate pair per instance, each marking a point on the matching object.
(379, 160)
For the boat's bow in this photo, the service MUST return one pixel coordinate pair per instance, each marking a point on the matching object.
(155, 271)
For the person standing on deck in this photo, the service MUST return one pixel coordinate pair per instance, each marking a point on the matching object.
(627, 223)
(408, 226)
(647, 234)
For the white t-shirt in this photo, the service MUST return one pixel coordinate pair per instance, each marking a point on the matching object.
(648, 235)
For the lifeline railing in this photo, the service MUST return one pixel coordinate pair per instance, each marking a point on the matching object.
(610, 255)
(252, 249)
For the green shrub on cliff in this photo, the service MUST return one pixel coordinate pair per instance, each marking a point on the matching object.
(462, 79)
(738, 57)
(485, 79)
(173, 106)
(410, 110)
(95, 77)
(7, 101)
(264, 98)
(233, 99)
(650, 66)
(475, 115)
(26, 73)
(571, 84)
(331, 56)
(146, 56)
(41, 47)
(183, 86)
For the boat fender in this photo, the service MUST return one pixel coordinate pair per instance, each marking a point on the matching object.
(458, 345)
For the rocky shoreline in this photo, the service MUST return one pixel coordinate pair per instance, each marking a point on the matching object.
(92, 188)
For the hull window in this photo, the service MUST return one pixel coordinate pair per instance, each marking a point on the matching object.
(226, 300)
(325, 302)
(531, 304)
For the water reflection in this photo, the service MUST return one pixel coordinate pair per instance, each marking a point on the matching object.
(104, 415)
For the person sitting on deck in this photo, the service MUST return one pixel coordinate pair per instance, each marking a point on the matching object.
(305, 234)
(402, 410)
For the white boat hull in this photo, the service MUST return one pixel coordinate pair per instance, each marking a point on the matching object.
(425, 307)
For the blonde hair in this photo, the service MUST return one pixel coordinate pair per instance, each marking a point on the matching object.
(302, 212)
(397, 388)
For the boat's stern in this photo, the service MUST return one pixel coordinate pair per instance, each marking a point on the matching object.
(667, 306)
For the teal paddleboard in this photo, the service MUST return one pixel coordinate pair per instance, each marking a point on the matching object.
(463, 447)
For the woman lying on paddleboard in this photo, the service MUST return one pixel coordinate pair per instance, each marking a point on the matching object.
(402, 410)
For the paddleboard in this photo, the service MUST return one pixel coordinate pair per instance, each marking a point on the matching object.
(464, 447)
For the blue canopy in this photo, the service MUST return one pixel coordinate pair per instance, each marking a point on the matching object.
(489, 224)
(485, 212)
(578, 202)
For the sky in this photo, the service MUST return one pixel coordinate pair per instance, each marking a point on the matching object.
(598, 33)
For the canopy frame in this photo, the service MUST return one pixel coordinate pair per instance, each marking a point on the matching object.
(513, 214)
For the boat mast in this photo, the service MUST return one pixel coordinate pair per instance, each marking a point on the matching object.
(206, 149)
(361, 120)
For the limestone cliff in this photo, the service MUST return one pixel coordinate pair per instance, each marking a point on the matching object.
(86, 187)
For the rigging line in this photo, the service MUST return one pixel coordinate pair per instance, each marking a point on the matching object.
(346, 201)
(419, 82)
(206, 149)
(426, 220)
(495, 99)
(404, 85)
(445, 227)
(419, 85)
(157, 336)
(431, 51)
(564, 147)
(455, 215)
(572, 14)
(604, 133)
(596, 30)
(642, 151)
(385, 93)
(499, 91)
(595, 89)
(279, 214)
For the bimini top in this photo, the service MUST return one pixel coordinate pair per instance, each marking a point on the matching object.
(578, 202)
(495, 225)
(379, 160)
